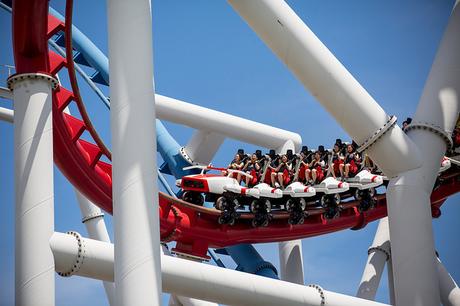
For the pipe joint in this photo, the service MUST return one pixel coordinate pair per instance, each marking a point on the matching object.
(371, 140)
(262, 266)
(380, 249)
(13, 79)
(433, 128)
(80, 255)
(92, 216)
(185, 155)
(321, 293)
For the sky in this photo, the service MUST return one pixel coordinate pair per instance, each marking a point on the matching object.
(204, 53)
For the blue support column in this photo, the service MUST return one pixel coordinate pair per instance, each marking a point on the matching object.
(249, 260)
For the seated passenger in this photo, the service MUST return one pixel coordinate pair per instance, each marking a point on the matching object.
(342, 146)
(273, 161)
(369, 164)
(336, 167)
(352, 162)
(236, 164)
(304, 160)
(406, 122)
(281, 174)
(317, 168)
(252, 168)
(456, 137)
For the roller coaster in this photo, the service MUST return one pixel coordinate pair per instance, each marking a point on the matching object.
(183, 219)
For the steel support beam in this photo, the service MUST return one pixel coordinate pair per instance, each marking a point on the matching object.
(135, 186)
(201, 281)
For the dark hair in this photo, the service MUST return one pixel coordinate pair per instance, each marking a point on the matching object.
(321, 148)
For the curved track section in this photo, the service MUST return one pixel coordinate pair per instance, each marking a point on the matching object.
(194, 228)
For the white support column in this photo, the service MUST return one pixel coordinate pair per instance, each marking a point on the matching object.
(408, 196)
(201, 281)
(203, 146)
(391, 282)
(33, 156)
(291, 261)
(450, 293)
(379, 254)
(135, 186)
(93, 218)
(329, 81)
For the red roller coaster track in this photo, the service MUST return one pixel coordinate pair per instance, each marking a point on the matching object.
(194, 228)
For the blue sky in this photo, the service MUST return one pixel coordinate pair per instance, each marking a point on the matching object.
(205, 54)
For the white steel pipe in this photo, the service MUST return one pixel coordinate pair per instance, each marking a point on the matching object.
(95, 258)
(135, 186)
(93, 218)
(408, 196)
(33, 157)
(329, 81)
(450, 293)
(291, 261)
(205, 282)
(203, 146)
(379, 254)
(182, 300)
(230, 126)
(6, 114)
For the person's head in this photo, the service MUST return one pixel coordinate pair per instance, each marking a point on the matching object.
(284, 158)
(289, 153)
(272, 153)
(405, 124)
(336, 147)
(321, 148)
(304, 150)
(237, 157)
(317, 155)
(302, 154)
(253, 157)
(258, 153)
(350, 148)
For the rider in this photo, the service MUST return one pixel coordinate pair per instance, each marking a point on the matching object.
(304, 170)
(369, 164)
(406, 122)
(352, 162)
(282, 172)
(336, 167)
(236, 164)
(252, 168)
(317, 165)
